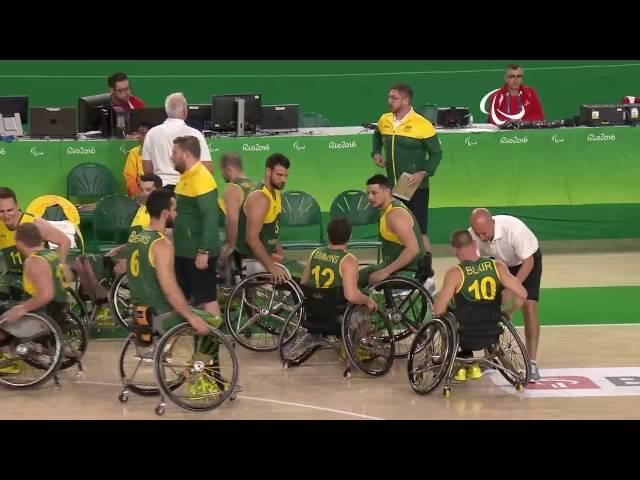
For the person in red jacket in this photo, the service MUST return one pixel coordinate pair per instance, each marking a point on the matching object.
(122, 101)
(512, 98)
(630, 99)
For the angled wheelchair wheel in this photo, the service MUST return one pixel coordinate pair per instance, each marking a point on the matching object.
(368, 340)
(136, 368)
(512, 355)
(407, 305)
(119, 299)
(257, 309)
(35, 352)
(76, 340)
(78, 307)
(431, 356)
(293, 344)
(197, 373)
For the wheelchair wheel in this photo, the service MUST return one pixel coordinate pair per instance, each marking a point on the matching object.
(119, 300)
(136, 368)
(292, 337)
(76, 339)
(407, 305)
(78, 307)
(512, 355)
(35, 352)
(431, 356)
(197, 373)
(368, 340)
(257, 309)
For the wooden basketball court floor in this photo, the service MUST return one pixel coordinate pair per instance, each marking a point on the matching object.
(590, 372)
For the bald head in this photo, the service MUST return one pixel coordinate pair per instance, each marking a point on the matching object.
(482, 224)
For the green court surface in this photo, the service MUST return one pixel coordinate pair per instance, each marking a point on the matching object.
(587, 306)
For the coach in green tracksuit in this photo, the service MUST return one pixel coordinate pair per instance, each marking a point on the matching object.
(195, 232)
(410, 146)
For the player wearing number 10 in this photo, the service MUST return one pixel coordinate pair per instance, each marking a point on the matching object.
(475, 284)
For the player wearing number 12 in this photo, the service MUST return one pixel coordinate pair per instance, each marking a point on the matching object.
(474, 288)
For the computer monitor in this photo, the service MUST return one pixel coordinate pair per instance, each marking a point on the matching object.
(199, 117)
(224, 116)
(153, 116)
(92, 111)
(53, 122)
(9, 106)
(280, 118)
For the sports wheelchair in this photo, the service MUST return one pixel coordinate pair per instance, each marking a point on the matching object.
(407, 305)
(435, 351)
(257, 309)
(70, 322)
(197, 373)
(323, 319)
(37, 346)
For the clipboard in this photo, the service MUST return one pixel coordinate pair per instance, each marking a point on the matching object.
(402, 190)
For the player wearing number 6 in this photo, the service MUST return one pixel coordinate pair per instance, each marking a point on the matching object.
(475, 283)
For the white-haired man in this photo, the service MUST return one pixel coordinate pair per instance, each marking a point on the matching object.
(158, 144)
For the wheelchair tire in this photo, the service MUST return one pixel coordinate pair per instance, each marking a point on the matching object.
(261, 332)
(225, 384)
(119, 300)
(508, 342)
(409, 311)
(359, 342)
(440, 355)
(27, 352)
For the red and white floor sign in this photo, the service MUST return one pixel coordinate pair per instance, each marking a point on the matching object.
(579, 382)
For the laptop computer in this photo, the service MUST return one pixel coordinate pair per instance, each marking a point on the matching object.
(53, 122)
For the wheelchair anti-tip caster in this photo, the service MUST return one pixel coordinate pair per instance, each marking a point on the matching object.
(160, 410)
(446, 392)
(347, 373)
(123, 398)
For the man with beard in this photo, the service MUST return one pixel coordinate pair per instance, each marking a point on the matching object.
(258, 227)
(404, 142)
(195, 232)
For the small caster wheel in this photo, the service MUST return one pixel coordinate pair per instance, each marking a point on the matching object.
(123, 398)
(233, 344)
(160, 410)
(347, 373)
(285, 365)
(446, 392)
(520, 387)
(233, 397)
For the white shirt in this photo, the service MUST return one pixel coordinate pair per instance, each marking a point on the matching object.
(158, 145)
(512, 241)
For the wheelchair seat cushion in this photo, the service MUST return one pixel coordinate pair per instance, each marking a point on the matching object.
(323, 310)
(478, 327)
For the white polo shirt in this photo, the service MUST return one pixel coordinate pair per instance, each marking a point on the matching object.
(512, 241)
(158, 145)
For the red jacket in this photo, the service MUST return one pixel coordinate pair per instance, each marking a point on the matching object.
(134, 102)
(631, 99)
(528, 98)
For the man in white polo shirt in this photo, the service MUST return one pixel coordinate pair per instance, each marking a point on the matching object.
(158, 144)
(509, 240)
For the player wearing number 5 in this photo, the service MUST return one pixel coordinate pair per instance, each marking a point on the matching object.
(334, 267)
(476, 284)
